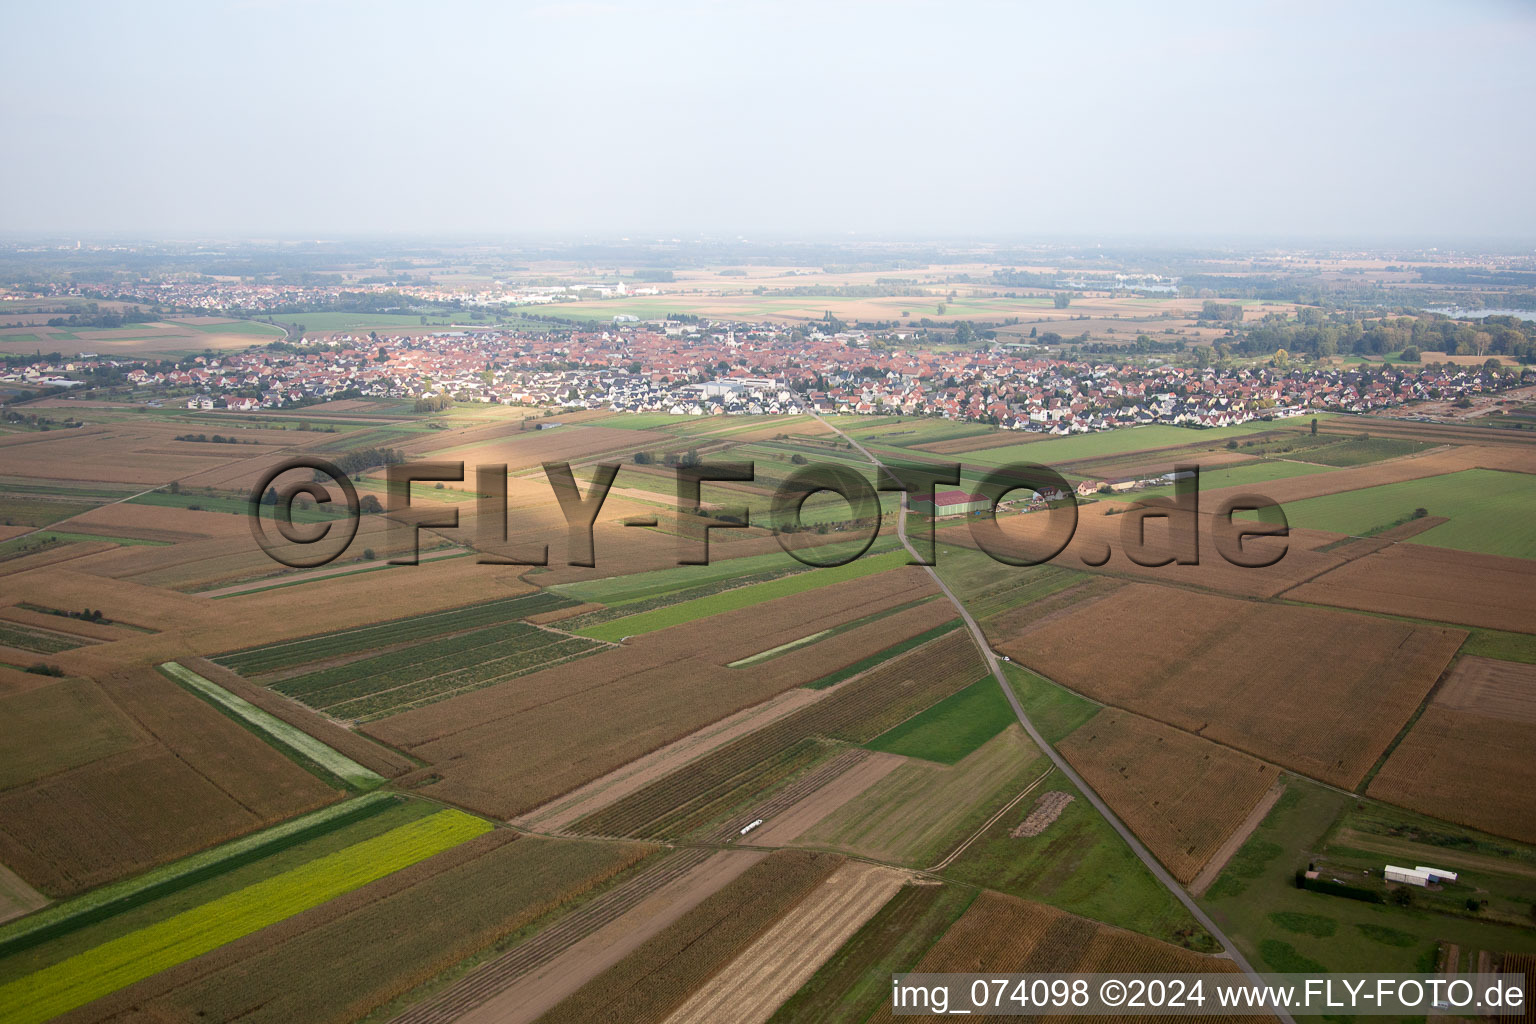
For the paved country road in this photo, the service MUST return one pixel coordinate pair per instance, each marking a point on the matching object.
(1152, 863)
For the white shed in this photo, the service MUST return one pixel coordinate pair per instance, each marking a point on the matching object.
(1409, 876)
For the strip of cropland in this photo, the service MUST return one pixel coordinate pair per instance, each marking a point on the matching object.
(138, 955)
(743, 597)
(72, 915)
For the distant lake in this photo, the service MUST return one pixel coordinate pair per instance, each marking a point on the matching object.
(1457, 313)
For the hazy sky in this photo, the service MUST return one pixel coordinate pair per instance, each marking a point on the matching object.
(1339, 119)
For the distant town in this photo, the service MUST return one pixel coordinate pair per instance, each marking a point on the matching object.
(763, 369)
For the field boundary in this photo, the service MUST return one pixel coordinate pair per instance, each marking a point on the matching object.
(277, 731)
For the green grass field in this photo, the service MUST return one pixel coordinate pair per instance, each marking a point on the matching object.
(1489, 511)
(1236, 476)
(122, 961)
(1360, 451)
(743, 597)
(1080, 865)
(1281, 926)
(276, 730)
(952, 728)
(1058, 450)
(32, 543)
(1056, 712)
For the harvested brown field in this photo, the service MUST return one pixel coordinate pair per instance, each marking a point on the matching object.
(1432, 583)
(58, 725)
(1006, 935)
(113, 455)
(347, 957)
(1469, 758)
(1470, 768)
(16, 896)
(1181, 795)
(151, 522)
(1498, 689)
(1041, 816)
(197, 779)
(56, 555)
(1007, 624)
(1317, 691)
(508, 748)
(366, 752)
(785, 956)
(530, 448)
(1101, 529)
(658, 978)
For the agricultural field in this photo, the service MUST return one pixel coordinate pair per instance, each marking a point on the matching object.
(1485, 511)
(58, 725)
(743, 597)
(422, 673)
(1265, 679)
(852, 983)
(764, 974)
(1283, 928)
(255, 662)
(701, 793)
(504, 749)
(1183, 796)
(144, 783)
(1058, 451)
(1250, 475)
(121, 961)
(1004, 934)
(922, 810)
(1077, 863)
(349, 956)
(1478, 728)
(235, 791)
(1436, 584)
(279, 732)
(38, 641)
(658, 978)
(952, 728)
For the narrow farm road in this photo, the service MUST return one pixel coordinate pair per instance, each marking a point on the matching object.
(1152, 863)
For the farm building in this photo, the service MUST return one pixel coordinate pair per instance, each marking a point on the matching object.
(1419, 875)
(948, 503)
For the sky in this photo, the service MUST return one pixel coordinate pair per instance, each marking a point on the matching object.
(279, 118)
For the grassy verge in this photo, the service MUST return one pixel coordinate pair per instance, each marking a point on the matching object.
(276, 730)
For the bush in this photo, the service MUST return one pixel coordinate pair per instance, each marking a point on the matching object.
(40, 669)
(1349, 892)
